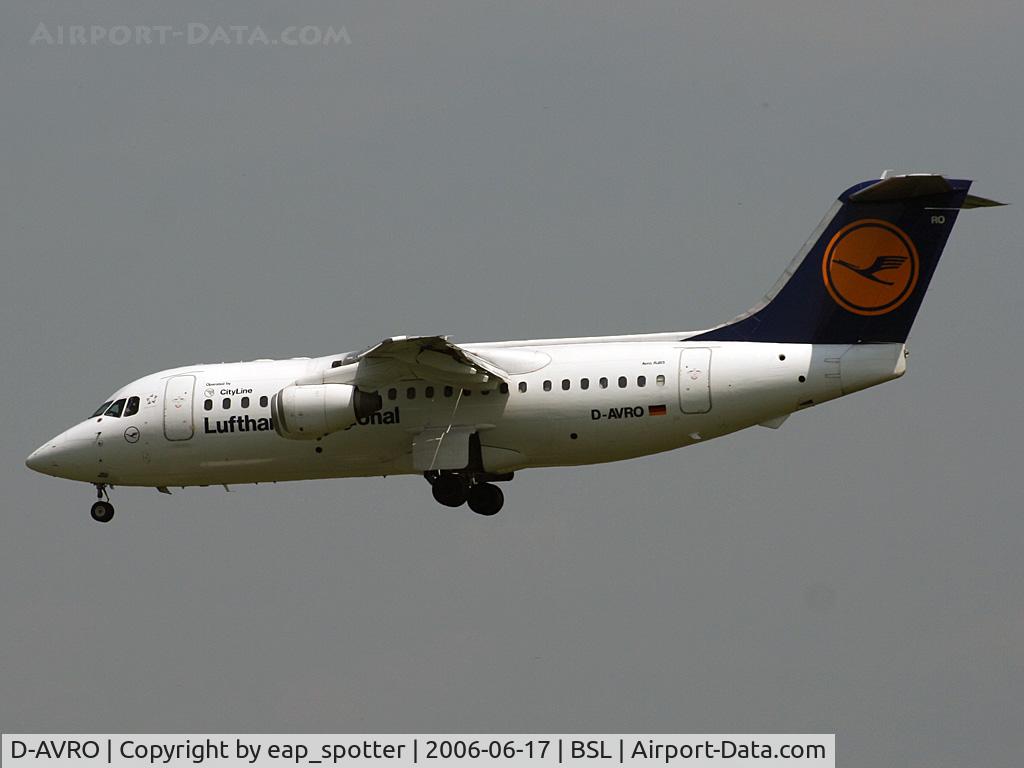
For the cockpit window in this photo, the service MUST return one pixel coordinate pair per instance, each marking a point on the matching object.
(132, 407)
(115, 409)
(101, 409)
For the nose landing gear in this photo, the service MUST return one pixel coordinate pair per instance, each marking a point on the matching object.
(102, 511)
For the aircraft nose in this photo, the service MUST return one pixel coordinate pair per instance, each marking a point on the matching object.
(35, 460)
(46, 458)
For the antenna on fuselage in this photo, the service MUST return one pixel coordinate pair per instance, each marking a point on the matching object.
(451, 422)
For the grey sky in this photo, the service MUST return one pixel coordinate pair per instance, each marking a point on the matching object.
(513, 170)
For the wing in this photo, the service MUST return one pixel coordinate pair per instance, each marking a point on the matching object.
(433, 358)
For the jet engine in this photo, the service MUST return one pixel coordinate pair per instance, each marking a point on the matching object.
(310, 411)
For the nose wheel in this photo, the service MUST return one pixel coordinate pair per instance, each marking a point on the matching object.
(102, 511)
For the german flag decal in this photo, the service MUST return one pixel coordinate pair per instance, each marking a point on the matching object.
(656, 410)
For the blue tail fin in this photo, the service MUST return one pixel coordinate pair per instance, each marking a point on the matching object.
(863, 273)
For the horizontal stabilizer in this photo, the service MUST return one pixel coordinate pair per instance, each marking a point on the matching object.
(897, 187)
(973, 201)
(902, 188)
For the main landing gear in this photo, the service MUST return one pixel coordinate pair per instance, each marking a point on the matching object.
(102, 510)
(453, 489)
(485, 499)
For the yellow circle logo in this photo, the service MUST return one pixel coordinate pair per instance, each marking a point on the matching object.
(870, 267)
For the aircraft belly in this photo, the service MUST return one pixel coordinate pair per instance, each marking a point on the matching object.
(264, 457)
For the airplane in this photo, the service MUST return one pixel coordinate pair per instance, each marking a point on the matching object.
(468, 416)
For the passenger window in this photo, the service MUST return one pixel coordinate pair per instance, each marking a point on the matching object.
(565, 384)
(641, 381)
(392, 394)
(132, 407)
(466, 393)
(115, 409)
(410, 393)
(99, 411)
(584, 383)
(503, 388)
(207, 405)
(661, 380)
(448, 391)
(622, 382)
(245, 402)
(547, 386)
(263, 401)
(429, 393)
(226, 405)
(522, 386)
(603, 383)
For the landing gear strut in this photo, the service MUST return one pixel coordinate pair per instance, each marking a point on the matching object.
(453, 489)
(102, 510)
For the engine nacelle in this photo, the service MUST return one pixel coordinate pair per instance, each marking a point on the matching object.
(309, 411)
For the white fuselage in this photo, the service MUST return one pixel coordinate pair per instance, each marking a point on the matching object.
(568, 402)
